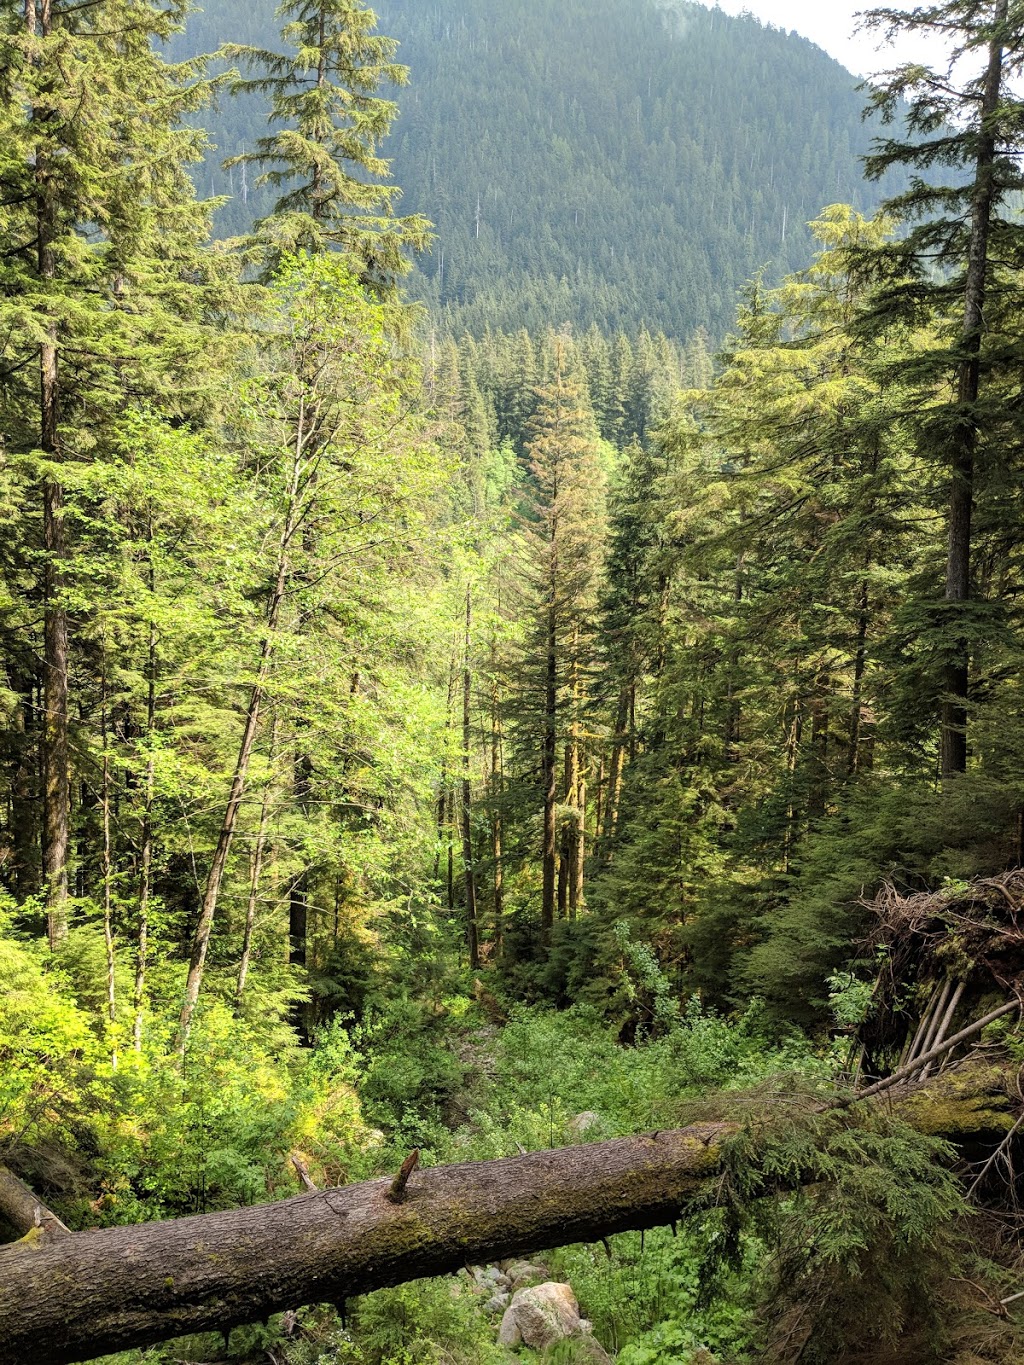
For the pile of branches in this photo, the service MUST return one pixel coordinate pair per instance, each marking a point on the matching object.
(945, 960)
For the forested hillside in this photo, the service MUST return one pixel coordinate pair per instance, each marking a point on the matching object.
(598, 161)
(511, 845)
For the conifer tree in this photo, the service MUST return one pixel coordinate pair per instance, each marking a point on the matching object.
(953, 262)
(102, 225)
(329, 122)
(567, 535)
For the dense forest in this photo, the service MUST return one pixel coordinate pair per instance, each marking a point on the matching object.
(596, 162)
(511, 836)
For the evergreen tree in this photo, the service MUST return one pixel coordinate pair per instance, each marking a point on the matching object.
(954, 262)
(567, 517)
(103, 231)
(325, 153)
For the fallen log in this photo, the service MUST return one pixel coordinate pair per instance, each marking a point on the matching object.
(94, 1293)
(27, 1214)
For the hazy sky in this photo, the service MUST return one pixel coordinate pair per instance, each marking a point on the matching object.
(831, 24)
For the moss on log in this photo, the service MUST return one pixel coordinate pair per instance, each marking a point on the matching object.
(969, 1102)
(95, 1293)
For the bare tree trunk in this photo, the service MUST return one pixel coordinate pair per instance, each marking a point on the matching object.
(497, 785)
(956, 673)
(255, 873)
(566, 832)
(859, 665)
(24, 786)
(204, 927)
(615, 768)
(134, 1286)
(108, 876)
(469, 875)
(549, 862)
(442, 797)
(28, 1216)
(55, 749)
(449, 831)
(575, 791)
(201, 939)
(146, 833)
(579, 849)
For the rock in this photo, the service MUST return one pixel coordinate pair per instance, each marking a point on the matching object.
(520, 1273)
(485, 1277)
(539, 1316)
(584, 1123)
(498, 1302)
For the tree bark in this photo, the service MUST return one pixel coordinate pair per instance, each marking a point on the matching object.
(123, 1288)
(615, 768)
(956, 673)
(218, 866)
(56, 770)
(469, 871)
(549, 858)
(255, 873)
(25, 1213)
(146, 830)
(108, 880)
(498, 883)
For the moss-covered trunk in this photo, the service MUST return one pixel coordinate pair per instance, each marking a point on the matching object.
(119, 1288)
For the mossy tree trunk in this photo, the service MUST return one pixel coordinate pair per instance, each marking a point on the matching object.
(118, 1289)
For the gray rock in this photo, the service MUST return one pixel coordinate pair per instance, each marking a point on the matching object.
(582, 1124)
(539, 1316)
(523, 1272)
(498, 1302)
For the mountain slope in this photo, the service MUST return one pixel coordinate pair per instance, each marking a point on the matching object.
(608, 161)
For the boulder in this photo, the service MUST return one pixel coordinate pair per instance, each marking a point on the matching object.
(539, 1316)
(498, 1301)
(582, 1124)
(485, 1277)
(520, 1273)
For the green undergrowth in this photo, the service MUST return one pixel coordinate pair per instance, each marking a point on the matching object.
(812, 1212)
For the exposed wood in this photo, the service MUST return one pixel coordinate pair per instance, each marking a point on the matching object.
(923, 1029)
(204, 927)
(930, 1037)
(944, 1024)
(122, 1288)
(108, 879)
(398, 1186)
(906, 1072)
(302, 1171)
(26, 1213)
